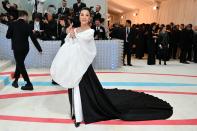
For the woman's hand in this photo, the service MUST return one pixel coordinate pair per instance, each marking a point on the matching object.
(72, 33)
(70, 30)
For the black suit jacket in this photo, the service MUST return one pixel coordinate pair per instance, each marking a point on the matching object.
(187, 38)
(18, 32)
(96, 16)
(131, 36)
(77, 8)
(116, 33)
(31, 25)
(100, 33)
(65, 13)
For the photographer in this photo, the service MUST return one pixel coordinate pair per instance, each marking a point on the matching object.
(97, 14)
(12, 9)
(37, 26)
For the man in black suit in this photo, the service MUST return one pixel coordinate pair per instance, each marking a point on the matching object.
(99, 33)
(97, 14)
(18, 32)
(37, 26)
(187, 35)
(64, 10)
(128, 37)
(78, 6)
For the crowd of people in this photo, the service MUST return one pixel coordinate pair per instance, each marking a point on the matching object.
(159, 41)
(52, 24)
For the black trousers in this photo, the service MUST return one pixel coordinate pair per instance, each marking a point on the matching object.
(189, 52)
(20, 65)
(184, 53)
(163, 54)
(70, 100)
(127, 51)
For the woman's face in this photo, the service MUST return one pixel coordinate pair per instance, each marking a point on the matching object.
(84, 17)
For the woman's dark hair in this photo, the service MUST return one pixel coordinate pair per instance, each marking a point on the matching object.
(86, 8)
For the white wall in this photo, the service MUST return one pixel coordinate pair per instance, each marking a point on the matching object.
(114, 18)
(177, 11)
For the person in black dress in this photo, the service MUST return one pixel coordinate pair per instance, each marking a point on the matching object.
(94, 102)
(140, 41)
(151, 46)
(18, 32)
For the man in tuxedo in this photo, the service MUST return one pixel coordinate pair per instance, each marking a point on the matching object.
(78, 6)
(37, 26)
(97, 14)
(64, 10)
(18, 32)
(128, 37)
(99, 33)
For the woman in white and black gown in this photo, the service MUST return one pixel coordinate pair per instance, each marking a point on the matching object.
(90, 103)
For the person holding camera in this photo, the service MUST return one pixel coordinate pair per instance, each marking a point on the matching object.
(37, 26)
(12, 9)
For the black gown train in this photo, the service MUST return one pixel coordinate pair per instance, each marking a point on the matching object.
(100, 104)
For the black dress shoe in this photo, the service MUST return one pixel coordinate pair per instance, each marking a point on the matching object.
(15, 84)
(124, 64)
(77, 124)
(27, 87)
(54, 83)
(130, 65)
